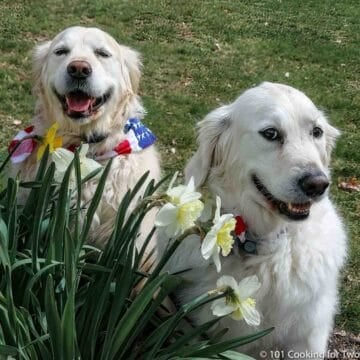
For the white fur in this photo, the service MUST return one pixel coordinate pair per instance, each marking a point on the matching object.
(298, 262)
(121, 72)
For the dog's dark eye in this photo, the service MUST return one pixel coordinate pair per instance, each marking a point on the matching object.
(102, 53)
(61, 51)
(271, 134)
(317, 132)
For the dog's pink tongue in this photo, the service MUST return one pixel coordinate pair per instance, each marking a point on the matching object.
(78, 102)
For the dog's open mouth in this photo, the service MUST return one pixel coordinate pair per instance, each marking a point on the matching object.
(78, 104)
(294, 211)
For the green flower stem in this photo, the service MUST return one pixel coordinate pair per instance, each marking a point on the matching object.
(150, 202)
(221, 290)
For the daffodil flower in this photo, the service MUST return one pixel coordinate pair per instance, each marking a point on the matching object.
(220, 237)
(181, 211)
(63, 157)
(238, 302)
(50, 139)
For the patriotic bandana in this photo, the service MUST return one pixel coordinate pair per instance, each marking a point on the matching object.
(138, 137)
(24, 147)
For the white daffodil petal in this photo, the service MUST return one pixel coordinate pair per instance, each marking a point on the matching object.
(185, 193)
(83, 150)
(173, 229)
(62, 159)
(216, 259)
(176, 192)
(208, 245)
(87, 166)
(216, 227)
(189, 197)
(237, 315)
(250, 314)
(188, 213)
(220, 308)
(227, 281)
(190, 187)
(218, 208)
(248, 286)
(173, 179)
(225, 218)
(166, 215)
(58, 176)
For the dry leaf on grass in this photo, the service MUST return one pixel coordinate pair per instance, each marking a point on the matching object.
(352, 184)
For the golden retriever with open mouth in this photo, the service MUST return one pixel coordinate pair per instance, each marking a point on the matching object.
(267, 156)
(87, 83)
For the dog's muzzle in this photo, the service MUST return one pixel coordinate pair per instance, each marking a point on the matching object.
(78, 104)
(312, 185)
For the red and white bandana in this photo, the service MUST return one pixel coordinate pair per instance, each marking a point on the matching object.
(24, 147)
(138, 137)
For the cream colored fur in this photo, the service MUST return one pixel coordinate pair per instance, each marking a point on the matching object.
(120, 72)
(298, 262)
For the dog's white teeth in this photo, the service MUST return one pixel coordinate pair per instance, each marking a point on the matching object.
(298, 208)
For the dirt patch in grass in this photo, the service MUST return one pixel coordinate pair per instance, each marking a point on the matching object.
(344, 345)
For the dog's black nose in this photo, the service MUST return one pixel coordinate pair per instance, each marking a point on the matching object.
(313, 185)
(79, 69)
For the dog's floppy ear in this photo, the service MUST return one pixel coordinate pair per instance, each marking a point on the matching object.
(331, 134)
(133, 64)
(39, 57)
(210, 150)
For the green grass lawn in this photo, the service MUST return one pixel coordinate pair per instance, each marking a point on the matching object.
(199, 54)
